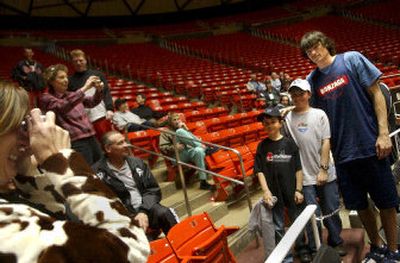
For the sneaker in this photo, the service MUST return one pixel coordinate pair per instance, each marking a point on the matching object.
(340, 250)
(204, 185)
(211, 149)
(392, 257)
(376, 254)
(305, 257)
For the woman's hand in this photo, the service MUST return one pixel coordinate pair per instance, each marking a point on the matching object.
(93, 81)
(45, 137)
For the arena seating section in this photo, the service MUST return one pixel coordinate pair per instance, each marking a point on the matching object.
(193, 74)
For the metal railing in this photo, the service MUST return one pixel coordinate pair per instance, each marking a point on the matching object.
(179, 164)
(281, 250)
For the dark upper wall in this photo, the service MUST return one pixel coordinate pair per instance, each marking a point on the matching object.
(110, 13)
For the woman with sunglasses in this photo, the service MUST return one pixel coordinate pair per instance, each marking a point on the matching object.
(37, 152)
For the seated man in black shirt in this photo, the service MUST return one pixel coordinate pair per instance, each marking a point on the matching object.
(131, 179)
(145, 112)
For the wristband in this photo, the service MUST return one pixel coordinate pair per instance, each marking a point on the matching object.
(324, 167)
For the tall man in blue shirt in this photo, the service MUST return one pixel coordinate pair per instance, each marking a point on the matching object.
(346, 87)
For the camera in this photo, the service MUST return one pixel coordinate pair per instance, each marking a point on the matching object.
(24, 124)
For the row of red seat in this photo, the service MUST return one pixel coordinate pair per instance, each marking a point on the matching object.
(195, 239)
(386, 11)
(219, 123)
(227, 163)
(368, 38)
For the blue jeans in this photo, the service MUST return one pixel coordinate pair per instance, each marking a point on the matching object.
(328, 202)
(279, 223)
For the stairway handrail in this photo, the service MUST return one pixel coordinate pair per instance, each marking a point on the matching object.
(283, 247)
(180, 163)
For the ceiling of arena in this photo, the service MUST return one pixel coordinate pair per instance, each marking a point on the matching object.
(99, 8)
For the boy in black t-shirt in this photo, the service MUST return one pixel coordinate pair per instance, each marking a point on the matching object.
(278, 168)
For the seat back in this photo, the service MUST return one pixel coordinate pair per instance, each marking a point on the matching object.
(196, 236)
(161, 252)
(190, 232)
(215, 249)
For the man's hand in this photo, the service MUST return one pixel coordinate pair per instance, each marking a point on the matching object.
(322, 177)
(109, 115)
(383, 146)
(179, 146)
(143, 221)
(267, 196)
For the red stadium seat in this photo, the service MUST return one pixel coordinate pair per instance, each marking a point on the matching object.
(197, 239)
(161, 252)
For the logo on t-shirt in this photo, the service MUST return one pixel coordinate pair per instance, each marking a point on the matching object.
(139, 171)
(302, 127)
(333, 86)
(278, 158)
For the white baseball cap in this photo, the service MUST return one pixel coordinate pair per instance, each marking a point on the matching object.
(301, 84)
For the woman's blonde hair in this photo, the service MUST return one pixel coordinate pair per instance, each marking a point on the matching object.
(50, 73)
(14, 105)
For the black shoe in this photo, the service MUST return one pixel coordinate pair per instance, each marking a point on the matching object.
(341, 250)
(204, 185)
(211, 149)
(305, 257)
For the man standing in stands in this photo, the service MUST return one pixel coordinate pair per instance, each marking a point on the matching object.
(346, 87)
(189, 147)
(131, 179)
(101, 115)
(29, 75)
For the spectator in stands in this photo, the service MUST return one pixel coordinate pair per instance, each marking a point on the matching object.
(145, 112)
(69, 107)
(29, 75)
(125, 120)
(100, 115)
(346, 87)
(103, 232)
(256, 86)
(271, 96)
(278, 168)
(189, 147)
(309, 128)
(285, 82)
(131, 179)
(284, 101)
(276, 82)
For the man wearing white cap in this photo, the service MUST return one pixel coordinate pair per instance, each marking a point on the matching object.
(309, 128)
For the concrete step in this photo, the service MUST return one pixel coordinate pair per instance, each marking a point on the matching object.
(196, 197)
(239, 215)
(159, 170)
(167, 189)
(216, 210)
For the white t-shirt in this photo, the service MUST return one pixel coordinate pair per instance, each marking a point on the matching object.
(308, 129)
(97, 112)
(121, 119)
